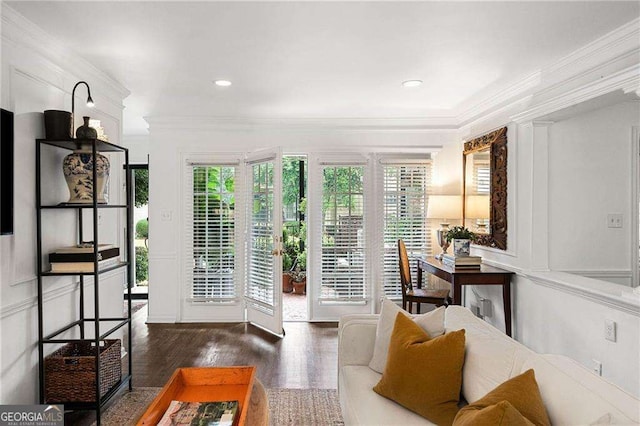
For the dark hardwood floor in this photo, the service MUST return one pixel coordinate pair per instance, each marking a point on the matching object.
(307, 357)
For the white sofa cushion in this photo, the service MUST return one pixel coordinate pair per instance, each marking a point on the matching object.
(431, 322)
(362, 406)
(491, 357)
(356, 339)
(574, 395)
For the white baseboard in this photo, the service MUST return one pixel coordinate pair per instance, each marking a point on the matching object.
(161, 320)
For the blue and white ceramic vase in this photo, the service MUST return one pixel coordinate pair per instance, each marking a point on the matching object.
(78, 172)
(461, 247)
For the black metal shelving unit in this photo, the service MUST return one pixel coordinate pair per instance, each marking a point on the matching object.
(83, 322)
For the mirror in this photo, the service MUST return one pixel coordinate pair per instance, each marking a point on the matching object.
(484, 180)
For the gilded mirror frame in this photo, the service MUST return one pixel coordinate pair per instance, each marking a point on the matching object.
(496, 141)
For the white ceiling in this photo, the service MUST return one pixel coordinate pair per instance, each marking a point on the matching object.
(319, 59)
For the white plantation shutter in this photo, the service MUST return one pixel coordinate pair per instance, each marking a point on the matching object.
(405, 190)
(343, 249)
(481, 176)
(259, 286)
(210, 259)
(481, 180)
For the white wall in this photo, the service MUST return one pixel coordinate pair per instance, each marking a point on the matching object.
(138, 148)
(165, 175)
(37, 75)
(556, 312)
(590, 177)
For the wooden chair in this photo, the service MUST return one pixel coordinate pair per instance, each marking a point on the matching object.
(419, 295)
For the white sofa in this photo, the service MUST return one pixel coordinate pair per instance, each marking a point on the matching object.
(572, 394)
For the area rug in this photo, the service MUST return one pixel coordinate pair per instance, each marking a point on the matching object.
(304, 407)
(308, 407)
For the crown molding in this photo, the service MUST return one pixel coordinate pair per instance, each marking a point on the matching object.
(493, 119)
(428, 125)
(496, 102)
(621, 80)
(21, 32)
(613, 51)
(622, 42)
(632, 87)
(622, 39)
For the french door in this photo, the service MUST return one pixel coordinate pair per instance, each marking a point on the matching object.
(263, 282)
(357, 207)
(213, 252)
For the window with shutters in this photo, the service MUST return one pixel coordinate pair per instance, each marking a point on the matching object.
(405, 190)
(260, 237)
(211, 224)
(481, 173)
(343, 233)
(482, 183)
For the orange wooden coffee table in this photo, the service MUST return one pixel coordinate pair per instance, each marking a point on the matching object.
(204, 384)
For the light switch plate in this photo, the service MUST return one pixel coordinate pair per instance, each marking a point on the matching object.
(165, 215)
(610, 330)
(614, 220)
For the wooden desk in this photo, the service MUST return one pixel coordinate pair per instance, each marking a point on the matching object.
(486, 275)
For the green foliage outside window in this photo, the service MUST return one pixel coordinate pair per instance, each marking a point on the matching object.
(214, 201)
(290, 180)
(339, 186)
(142, 265)
(141, 182)
(142, 229)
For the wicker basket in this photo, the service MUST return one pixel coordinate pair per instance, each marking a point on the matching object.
(70, 371)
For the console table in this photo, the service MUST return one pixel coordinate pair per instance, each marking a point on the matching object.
(486, 275)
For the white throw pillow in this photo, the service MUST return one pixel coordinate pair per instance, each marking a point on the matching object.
(431, 322)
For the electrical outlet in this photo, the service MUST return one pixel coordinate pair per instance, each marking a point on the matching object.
(610, 330)
(475, 309)
(614, 220)
(485, 308)
(597, 367)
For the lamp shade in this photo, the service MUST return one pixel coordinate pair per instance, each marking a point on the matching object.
(477, 206)
(444, 207)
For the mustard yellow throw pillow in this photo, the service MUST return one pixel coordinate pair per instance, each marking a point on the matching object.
(423, 374)
(500, 414)
(521, 393)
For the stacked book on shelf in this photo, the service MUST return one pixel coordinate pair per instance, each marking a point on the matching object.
(462, 262)
(81, 258)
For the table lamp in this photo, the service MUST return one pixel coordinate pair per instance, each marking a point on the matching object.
(444, 207)
(477, 207)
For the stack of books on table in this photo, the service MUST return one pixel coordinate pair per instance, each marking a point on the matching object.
(219, 413)
(462, 262)
(81, 258)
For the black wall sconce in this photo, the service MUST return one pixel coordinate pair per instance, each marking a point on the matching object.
(90, 103)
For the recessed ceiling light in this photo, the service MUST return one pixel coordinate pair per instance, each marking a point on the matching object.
(412, 83)
(223, 83)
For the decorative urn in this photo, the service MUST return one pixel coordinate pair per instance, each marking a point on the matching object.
(78, 170)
